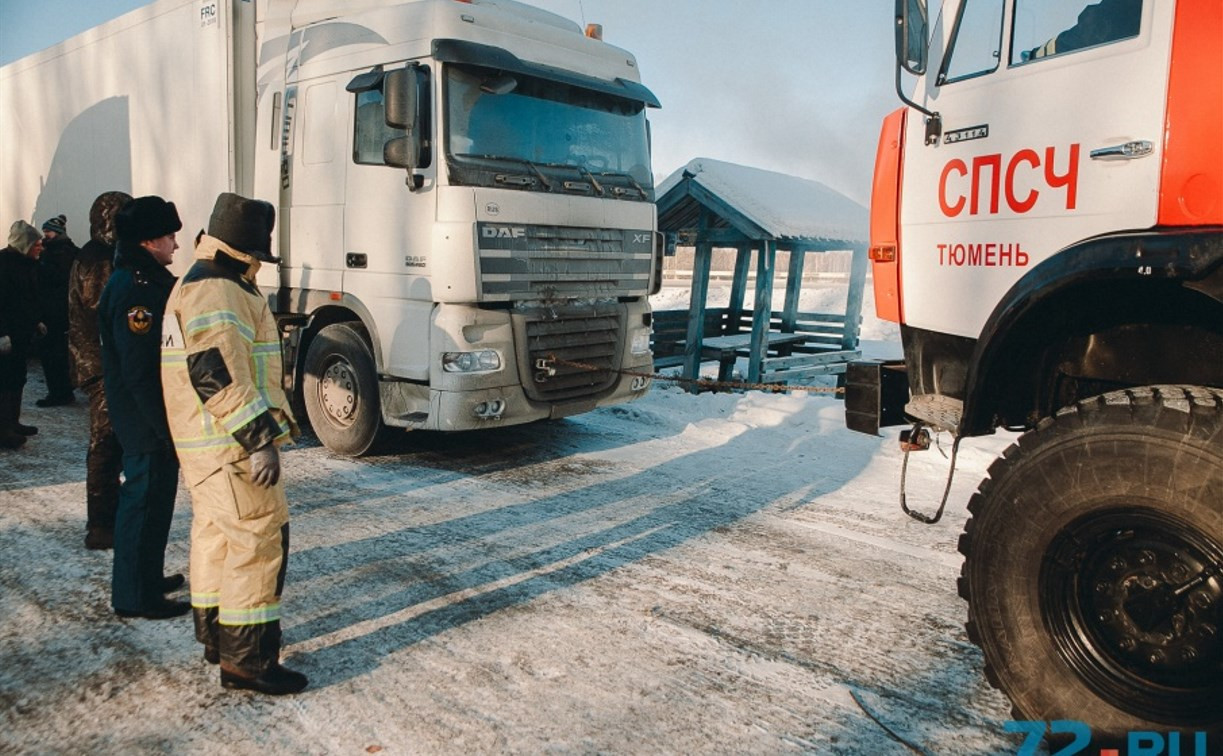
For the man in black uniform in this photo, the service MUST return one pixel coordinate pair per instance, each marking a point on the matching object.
(129, 320)
(54, 266)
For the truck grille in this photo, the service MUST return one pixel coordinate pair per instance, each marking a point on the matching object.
(591, 339)
(528, 262)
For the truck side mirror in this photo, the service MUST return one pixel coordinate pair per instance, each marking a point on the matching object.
(911, 35)
(399, 152)
(399, 90)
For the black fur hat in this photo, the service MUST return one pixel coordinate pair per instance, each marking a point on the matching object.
(146, 218)
(244, 224)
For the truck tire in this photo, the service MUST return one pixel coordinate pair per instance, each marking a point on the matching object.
(1093, 564)
(340, 389)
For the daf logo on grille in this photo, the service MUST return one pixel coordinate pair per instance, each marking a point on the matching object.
(504, 232)
(641, 238)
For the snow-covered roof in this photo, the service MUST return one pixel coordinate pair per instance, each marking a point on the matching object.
(761, 204)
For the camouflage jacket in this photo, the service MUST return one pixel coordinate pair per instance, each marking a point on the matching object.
(85, 283)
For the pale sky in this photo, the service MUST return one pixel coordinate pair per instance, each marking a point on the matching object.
(795, 86)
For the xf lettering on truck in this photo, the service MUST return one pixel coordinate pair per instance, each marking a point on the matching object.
(991, 182)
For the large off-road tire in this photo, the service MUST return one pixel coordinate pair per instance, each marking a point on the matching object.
(1094, 564)
(340, 389)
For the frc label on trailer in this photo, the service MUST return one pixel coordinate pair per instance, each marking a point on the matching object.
(1022, 180)
(209, 13)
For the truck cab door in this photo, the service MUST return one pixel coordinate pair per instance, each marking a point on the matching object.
(1052, 124)
(389, 220)
(313, 174)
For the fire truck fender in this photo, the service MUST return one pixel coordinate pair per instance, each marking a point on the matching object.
(1145, 277)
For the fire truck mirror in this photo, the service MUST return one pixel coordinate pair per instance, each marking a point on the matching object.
(911, 35)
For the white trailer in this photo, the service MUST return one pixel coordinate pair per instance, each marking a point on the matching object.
(464, 190)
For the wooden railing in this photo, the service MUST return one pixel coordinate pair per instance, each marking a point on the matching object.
(825, 347)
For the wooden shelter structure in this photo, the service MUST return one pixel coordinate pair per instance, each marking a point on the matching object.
(712, 204)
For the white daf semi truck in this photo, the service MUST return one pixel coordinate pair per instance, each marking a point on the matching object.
(464, 190)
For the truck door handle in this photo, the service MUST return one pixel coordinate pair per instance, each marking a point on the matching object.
(1127, 151)
(355, 260)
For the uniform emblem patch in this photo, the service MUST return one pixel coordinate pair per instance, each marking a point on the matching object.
(139, 320)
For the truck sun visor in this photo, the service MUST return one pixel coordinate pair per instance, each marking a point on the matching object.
(473, 53)
(367, 81)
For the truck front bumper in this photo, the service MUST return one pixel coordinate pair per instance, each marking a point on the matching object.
(505, 405)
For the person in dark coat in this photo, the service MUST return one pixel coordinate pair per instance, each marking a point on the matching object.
(20, 324)
(130, 314)
(54, 266)
(1100, 23)
(104, 458)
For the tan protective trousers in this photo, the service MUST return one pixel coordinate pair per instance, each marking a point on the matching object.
(239, 552)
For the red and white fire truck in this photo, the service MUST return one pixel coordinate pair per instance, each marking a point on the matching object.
(1047, 228)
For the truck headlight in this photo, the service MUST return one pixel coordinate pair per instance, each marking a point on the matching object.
(641, 342)
(484, 361)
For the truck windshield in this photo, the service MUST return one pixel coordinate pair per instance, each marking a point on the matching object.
(540, 135)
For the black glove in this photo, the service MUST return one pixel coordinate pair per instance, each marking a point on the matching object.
(265, 466)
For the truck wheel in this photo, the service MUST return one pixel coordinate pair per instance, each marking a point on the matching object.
(340, 389)
(1094, 564)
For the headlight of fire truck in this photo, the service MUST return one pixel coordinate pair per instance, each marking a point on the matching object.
(484, 361)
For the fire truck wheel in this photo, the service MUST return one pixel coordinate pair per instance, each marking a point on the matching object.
(340, 389)
(1093, 564)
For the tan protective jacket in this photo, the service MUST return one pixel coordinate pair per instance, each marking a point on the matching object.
(221, 364)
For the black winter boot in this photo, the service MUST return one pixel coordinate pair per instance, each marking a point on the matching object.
(9, 437)
(99, 539)
(274, 681)
(207, 631)
(15, 403)
(250, 660)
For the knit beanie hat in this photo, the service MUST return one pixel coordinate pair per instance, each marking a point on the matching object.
(244, 224)
(58, 224)
(22, 236)
(102, 216)
(146, 218)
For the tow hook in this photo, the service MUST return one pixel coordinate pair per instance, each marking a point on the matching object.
(544, 369)
(915, 439)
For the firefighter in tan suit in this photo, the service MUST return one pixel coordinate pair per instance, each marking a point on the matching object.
(221, 372)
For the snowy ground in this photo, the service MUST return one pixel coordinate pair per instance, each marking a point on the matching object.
(724, 573)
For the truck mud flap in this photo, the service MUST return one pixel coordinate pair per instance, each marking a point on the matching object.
(875, 395)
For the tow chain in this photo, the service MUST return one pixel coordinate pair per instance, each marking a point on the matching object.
(546, 365)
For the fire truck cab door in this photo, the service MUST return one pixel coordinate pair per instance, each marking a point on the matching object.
(1052, 130)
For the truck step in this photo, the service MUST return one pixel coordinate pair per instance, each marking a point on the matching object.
(939, 412)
